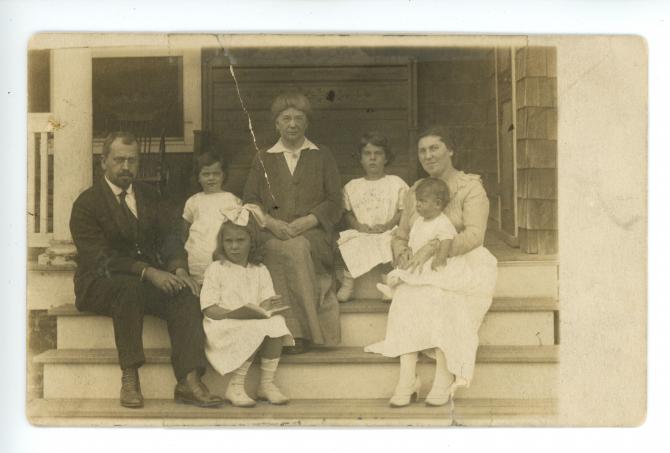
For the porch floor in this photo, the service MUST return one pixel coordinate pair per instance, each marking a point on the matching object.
(505, 252)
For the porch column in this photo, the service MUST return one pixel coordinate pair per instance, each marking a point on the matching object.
(72, 111)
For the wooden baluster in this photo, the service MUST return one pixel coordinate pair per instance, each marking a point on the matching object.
(32, 213)
(44, 182)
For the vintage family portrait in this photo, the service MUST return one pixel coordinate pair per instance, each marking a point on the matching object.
(313, 230)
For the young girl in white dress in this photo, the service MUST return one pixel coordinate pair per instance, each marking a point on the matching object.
(372, 205)
(203, 213)
(234, 334)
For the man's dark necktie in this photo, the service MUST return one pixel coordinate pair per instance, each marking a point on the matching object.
(130, 217)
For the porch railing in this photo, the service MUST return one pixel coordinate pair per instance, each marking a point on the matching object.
(40, 180)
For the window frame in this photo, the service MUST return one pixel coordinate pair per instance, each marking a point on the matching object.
(191, 91)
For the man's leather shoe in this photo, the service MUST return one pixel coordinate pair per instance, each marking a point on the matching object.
(191, 390)
(131, 394)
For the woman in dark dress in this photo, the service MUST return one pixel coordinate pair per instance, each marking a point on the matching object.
(297, 185)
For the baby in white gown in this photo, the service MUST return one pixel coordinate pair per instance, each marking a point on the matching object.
(432, 196)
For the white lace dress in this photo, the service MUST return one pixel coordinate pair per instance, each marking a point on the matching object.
(230, 342)
(205, 214)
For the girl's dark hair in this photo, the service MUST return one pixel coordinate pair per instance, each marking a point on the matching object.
(434, 187)
(208, 157)
(377, 139)
(443, 133)
(255, 255)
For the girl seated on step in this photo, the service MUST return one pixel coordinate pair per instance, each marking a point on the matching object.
(373, 205)
(239, 306)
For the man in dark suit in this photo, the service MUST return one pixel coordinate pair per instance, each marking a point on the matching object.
(130, 264)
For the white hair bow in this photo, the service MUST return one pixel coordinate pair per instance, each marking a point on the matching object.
(239, 215)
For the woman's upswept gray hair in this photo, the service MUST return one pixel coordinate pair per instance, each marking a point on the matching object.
(291, 99)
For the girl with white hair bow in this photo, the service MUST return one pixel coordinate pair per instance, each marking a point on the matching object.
(239, 303)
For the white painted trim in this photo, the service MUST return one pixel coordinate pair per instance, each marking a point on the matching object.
(514, 104)
(495, 61)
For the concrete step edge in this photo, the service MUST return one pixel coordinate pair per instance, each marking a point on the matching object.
(500, 304)
(354, 409)
(339, 355)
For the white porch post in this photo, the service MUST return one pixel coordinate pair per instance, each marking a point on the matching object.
(72, 108)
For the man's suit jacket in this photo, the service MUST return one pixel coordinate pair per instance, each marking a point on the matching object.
(105, 240)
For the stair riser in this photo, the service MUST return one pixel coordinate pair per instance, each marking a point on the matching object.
(323, 381)
(526, 279)
(540, 279)
(358, 329)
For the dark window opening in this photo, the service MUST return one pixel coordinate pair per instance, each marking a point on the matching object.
(39, 74)
(141, 94)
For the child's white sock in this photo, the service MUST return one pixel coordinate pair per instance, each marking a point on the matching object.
(267, 389)
(347, 289)
(235, 392)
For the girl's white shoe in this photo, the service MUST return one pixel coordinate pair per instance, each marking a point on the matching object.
(237, 396)
(405, 394)
(270, 392)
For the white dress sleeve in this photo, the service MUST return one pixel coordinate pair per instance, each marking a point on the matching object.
(210, 294)
(402, 189)
(446, 229)
(189, 209)
(266, 287)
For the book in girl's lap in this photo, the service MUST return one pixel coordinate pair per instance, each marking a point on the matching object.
(239, 305)
(372, 209)
(452, 274)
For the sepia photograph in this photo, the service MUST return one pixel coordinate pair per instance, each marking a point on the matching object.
(314, 231)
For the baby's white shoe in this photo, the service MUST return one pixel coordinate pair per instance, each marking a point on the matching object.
(387, 291)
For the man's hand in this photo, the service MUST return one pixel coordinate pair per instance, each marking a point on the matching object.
(271, 303)
(278, 228)
(302, 224)
(189, 281)
(165, 281)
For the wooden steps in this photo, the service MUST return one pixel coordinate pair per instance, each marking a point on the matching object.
(308, 412)
(326, 373)
(515, 379)
(511, 321)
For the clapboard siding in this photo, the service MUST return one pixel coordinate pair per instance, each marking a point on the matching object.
(347, 101)
(324, 95)
(306, 73)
